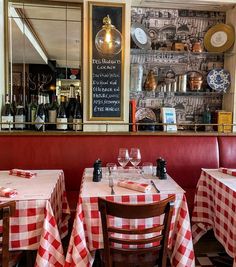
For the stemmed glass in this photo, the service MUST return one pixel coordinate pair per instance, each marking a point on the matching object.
(123, 157)
(135, 157)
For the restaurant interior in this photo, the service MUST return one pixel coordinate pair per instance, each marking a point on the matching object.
(117, 133)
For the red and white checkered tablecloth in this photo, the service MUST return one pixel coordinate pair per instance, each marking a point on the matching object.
(41, 217)
(215, 208)
(87, 230)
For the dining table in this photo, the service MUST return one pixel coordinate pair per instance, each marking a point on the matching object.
(41, 217)
(215, 208)
(86, 236)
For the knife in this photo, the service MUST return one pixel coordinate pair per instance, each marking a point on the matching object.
(158, 191)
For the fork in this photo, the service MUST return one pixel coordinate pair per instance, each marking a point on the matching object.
(111, 185)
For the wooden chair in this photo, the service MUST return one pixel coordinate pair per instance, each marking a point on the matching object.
(7, 209)
(113, 256)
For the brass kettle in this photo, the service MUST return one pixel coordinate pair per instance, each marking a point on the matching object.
(150, 83)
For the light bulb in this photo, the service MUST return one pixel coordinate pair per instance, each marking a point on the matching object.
(108, 40)
(108, 36)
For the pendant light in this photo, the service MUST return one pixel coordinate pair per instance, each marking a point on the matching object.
(108, 40)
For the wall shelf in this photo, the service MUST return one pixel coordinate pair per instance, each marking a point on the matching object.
(142, 56)
(154, 94)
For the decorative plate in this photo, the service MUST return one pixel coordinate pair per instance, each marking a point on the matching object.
(219, 79)
(145, 113)
(219, 38)
(140, 36)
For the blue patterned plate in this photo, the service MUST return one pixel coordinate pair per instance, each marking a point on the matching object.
(219, 80)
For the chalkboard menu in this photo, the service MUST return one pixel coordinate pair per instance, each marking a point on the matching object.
(106, 84)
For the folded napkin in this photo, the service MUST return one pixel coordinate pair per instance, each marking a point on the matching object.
(22, 173)
(134, 186)
(228, 171)
(7, 192)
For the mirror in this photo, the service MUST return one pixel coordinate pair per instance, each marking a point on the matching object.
(45, 48)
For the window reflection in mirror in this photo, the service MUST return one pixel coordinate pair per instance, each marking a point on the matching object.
(44, 48)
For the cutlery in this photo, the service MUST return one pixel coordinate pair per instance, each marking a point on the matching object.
(158, 191)
(111, 185)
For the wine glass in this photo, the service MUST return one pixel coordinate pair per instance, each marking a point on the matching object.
(123, 157)
(135, 156)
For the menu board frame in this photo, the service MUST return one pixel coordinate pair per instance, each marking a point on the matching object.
(95, 113)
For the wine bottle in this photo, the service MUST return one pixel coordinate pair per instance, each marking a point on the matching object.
(14, 104)
(70, 109)
(61, 115)
(7, 115)
(46, 103)
(52, 113)
(78, 116)
(40, 114)
(26, 103)
(32, 109)
(20, 115)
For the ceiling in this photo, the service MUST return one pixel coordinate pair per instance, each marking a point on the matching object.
(57, 30)
(214, 5)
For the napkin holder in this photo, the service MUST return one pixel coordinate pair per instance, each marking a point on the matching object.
(97, 171)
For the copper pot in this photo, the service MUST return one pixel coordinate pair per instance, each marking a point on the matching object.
(197, 47)
(195, 83)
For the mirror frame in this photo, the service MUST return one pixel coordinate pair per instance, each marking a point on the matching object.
(6, 34)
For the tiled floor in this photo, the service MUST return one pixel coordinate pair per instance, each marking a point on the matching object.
(210, 253)
(213, 259)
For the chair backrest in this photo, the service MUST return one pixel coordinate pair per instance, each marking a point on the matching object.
(7, 209)
(158, 241)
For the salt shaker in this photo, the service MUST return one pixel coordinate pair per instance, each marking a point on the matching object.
(97, 171)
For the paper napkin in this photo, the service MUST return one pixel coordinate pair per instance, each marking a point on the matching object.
(7, 192)
(22, 173)
(142, 187)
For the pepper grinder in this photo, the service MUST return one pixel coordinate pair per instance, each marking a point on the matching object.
(97, 171)
(163, 174)
(158, 167)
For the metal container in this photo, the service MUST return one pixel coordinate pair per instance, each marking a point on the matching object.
(168, 87)
(182, 83)
(136, 74)
(174, 86)
(163, 87)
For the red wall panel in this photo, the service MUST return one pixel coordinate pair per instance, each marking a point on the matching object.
(185, 155)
